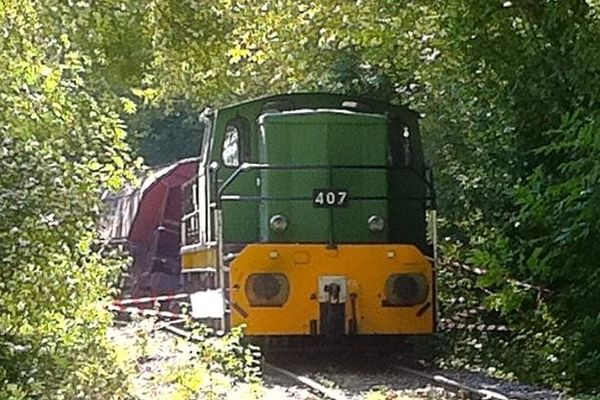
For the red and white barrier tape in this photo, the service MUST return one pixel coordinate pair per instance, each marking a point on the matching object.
(451, 325)
(480, 272)
(141, 300)
(146, 312)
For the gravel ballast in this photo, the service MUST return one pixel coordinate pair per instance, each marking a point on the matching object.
(354, 377)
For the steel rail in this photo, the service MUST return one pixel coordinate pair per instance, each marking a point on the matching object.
(306, 381)
(454, 386)
(326, 392)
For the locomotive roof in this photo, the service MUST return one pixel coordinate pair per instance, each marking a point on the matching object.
(381, 105)
(316, 112)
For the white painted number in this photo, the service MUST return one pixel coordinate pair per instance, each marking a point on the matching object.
(319, 198)
(342, 196)
(330, 198)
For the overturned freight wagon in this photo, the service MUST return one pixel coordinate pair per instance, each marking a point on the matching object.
(146, 221)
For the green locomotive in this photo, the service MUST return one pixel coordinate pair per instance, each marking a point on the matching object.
(312, 209)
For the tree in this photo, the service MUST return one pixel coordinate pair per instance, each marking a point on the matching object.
(163, 134)
(60, 144)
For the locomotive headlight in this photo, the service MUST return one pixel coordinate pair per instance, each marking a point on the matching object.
(406, 289)
(376, 223)
(267, 289)
(278, 223)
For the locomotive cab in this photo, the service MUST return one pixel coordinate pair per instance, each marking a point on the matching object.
(312, 218)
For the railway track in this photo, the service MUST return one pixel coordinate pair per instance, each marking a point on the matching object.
(306, 381)
(459, 389)
(462, 390)
(347, 375)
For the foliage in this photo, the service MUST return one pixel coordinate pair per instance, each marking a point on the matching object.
(223, 368)
(164, 134)
(232, 50)
(165, 366)
(539, 228)
(558, 207)
(60, 144)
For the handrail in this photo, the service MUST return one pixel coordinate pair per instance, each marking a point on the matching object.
(190, 215)
(245, 167)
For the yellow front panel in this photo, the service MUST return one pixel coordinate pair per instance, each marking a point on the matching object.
(366, 268)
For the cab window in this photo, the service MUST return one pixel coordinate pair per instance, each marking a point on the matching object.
(231, 147)
(235, 143)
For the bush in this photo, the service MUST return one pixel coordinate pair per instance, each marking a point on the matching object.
(223, 368)
(60, 144)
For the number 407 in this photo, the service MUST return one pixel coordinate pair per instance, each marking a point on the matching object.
(330, 198)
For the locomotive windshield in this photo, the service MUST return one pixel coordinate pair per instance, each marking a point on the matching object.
(231, 147)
